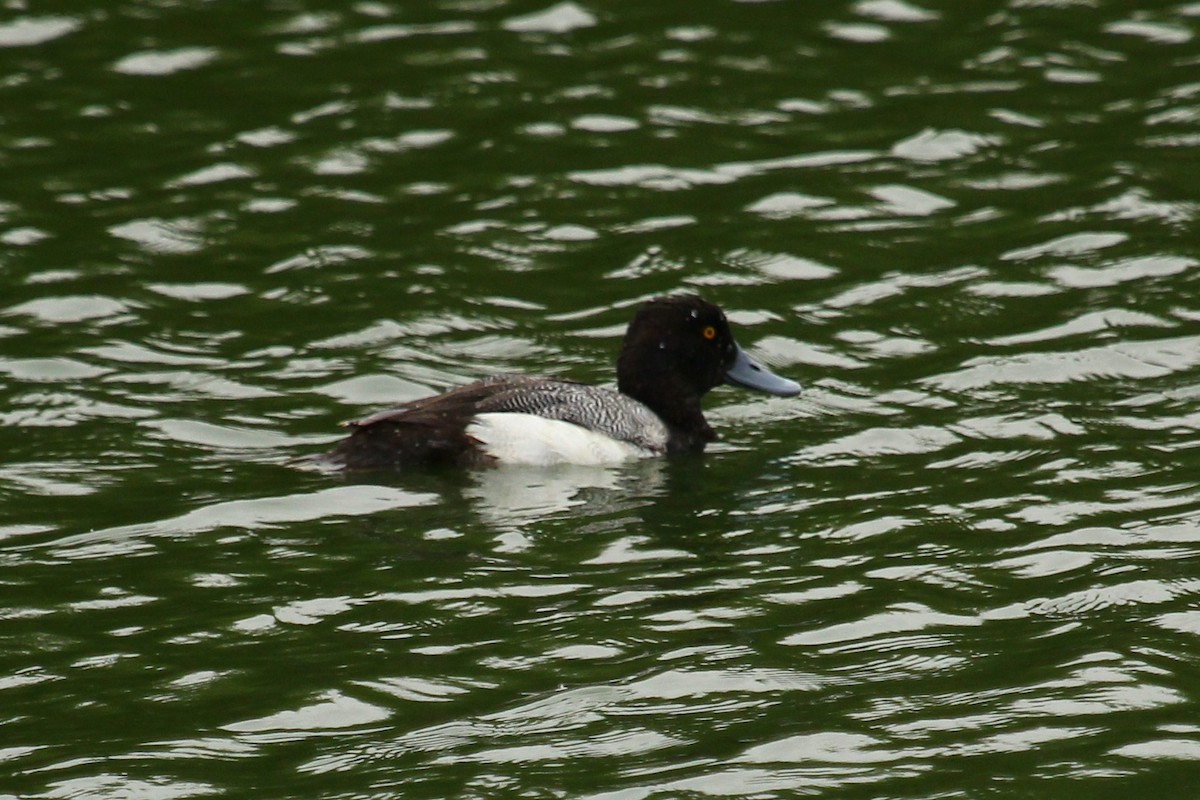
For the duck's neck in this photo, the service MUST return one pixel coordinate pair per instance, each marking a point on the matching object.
(690, 440)
(676, 404)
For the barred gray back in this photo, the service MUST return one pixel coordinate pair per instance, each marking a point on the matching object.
(593, 407)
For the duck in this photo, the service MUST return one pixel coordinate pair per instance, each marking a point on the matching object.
(675, 349)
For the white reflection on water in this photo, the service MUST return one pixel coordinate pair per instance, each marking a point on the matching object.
(338, 501)
(1130, 360)
(566, 721)
(900, 619)
(331, 711)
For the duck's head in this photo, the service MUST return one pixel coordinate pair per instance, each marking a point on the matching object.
(677, 348)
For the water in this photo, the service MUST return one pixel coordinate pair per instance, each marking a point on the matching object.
(960, 565)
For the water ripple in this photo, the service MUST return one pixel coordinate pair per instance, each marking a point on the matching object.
(960, 560)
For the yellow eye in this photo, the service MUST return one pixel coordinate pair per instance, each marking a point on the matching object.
(710, 333)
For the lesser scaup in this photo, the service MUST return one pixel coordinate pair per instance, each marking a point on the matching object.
(674, 351)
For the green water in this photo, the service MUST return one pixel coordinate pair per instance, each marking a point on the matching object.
(962, 564)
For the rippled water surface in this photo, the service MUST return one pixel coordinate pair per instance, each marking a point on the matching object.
(963, 563)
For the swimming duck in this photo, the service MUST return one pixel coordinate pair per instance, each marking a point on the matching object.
(674, 351)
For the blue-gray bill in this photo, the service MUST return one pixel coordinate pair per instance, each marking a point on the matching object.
(746, 372)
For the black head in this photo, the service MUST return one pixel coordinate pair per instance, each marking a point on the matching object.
(676, 349)
(679, 343)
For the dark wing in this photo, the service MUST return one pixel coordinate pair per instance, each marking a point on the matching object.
(463, 401)
(427, 432)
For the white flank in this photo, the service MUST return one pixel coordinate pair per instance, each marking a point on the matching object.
(537, 441)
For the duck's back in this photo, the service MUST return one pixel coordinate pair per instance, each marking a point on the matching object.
(532, 420)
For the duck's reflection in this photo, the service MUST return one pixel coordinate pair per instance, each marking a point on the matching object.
(514, 497)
